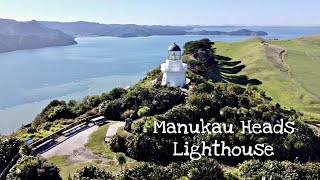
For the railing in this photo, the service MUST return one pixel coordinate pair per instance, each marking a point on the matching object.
(36, 144)
(59, 132)
(9, 166)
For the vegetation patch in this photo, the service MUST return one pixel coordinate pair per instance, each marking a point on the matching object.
(96, 143)
(299, 87)
(222, 90)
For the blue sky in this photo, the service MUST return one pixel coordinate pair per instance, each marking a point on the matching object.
(171, 12)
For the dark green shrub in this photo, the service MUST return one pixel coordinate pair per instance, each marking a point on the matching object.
(255, 169)
(35, 168)
(207, 169)
(92, 173)
(153, 172)
(8, 149)
(117, 143)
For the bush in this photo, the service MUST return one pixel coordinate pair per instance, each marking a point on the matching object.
(113, 109)
(138, 127)
(145, 171)
(53, 111)
(34, 168)
(8, 149)
(175, 171)
(113, 94)
(92, 101)
(157, 99)
(127, 113)
(144, 111)
(25, 149)
(153, 172)
(255, 169)
(92, 173)
(117, 143)
(205, 169)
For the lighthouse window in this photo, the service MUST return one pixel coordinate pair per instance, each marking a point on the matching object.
(175, 55)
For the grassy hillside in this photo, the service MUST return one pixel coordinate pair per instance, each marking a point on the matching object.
(288, 70)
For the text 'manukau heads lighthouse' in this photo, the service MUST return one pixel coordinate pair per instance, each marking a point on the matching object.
(173, 70)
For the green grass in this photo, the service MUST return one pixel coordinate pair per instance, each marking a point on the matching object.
(67, 167)
(121, 132)
(97, 145)
(299, 87)
(96, 142)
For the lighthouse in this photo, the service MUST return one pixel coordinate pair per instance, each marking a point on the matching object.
(173, 70)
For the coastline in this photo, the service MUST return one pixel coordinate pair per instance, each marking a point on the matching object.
(25, 113)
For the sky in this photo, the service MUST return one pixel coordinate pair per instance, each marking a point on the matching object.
(167, 12)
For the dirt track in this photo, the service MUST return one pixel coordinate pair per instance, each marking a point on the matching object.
(276, 55)
(74, 147)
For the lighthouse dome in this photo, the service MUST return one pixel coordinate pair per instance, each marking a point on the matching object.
(174, 47)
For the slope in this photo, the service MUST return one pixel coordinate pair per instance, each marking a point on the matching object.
(288, 70)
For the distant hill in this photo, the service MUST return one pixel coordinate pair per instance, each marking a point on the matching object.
(242, 32)
(79, 29)
(287, 69)
(16, 35)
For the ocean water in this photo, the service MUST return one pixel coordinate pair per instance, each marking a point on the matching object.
(30, 79)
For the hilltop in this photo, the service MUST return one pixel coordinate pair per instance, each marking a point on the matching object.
(287, 69)
(16, 35)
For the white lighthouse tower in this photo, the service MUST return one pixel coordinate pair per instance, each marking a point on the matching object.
(173, 70)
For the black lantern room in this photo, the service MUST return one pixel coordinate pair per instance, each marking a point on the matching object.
(174, 52)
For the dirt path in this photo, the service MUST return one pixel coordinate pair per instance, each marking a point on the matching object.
(276, 55)
(74, 147)
(112, 130)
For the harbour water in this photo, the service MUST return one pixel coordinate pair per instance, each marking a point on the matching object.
(30, 79)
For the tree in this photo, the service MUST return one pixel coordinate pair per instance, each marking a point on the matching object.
(121, 159)
(113, 94)
(201, 50)
(35, 168)
(92, 173)
(92, 101)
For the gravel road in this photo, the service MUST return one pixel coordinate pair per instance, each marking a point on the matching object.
(74, 147)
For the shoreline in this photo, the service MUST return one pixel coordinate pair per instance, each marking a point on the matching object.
(24, 114)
